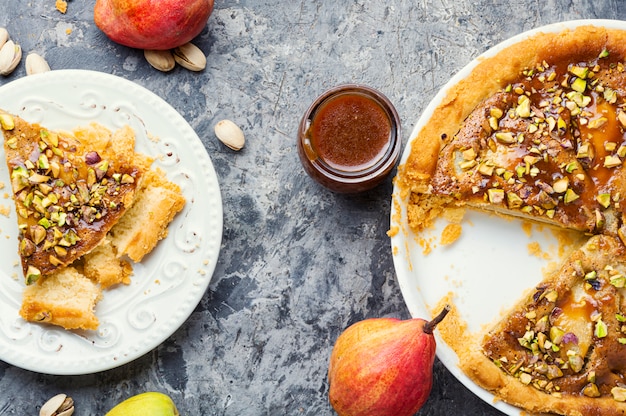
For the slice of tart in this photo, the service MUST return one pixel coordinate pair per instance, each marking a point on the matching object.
(562, 349)
(69, 189)
(87, 206)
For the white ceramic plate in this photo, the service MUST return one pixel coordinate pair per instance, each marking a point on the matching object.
(489, 267)
(170, 281)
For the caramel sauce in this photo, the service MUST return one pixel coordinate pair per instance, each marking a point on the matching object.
(350, 132)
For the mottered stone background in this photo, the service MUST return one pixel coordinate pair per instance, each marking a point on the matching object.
(298, 264)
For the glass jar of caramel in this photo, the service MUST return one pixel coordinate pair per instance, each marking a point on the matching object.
(349, 138)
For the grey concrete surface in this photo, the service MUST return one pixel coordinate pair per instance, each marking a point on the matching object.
(298, 264)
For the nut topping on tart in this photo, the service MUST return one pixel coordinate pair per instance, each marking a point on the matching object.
(549, 146)
(68, 192)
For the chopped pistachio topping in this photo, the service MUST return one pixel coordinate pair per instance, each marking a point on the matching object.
(561, 185)
(619, 394)
(612, 161)
(32, 275)
(506, 137)
(579, 71)
(604, 200)
(570, 196)
(579, 85)
(7, 122)
(523, 107)
(495, 196)
(601, 330)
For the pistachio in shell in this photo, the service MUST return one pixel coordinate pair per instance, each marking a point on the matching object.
(230, 134)
(189, 56)
(162, 60)
(36, 64)
(10, 56)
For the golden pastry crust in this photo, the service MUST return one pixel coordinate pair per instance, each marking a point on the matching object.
(65, 298)
(424, 182)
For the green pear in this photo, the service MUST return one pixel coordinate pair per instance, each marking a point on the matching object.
(151, 403)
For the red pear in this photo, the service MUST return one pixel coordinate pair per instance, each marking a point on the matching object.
(152, 24)
(383, 367)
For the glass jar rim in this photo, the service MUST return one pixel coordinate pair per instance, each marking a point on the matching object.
(385, 162)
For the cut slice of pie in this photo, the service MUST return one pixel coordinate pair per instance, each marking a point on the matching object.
(88, 205)
(563, 347)
(69, 189)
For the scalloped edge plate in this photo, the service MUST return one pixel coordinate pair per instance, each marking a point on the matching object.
(170, 282)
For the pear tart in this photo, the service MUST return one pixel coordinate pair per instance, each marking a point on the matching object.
(68, 192)
(87, 206)
(537, 131)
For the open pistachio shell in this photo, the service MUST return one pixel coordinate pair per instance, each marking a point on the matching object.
(10, 56)
(190, 56)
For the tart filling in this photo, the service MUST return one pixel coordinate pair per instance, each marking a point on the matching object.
(550, 146)
(68, 192)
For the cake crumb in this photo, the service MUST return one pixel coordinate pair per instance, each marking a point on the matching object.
(61, 6)
(153, 138)
(426, 246)
(450, 234)
(534, 249)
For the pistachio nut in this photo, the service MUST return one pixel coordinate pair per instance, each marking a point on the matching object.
(230, 134)
(161, 60)
(190, 56)
(59, 405)
(4, 36)
(35, 64)
(10, 56)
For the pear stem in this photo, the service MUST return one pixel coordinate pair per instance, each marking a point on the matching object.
(429, 327)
